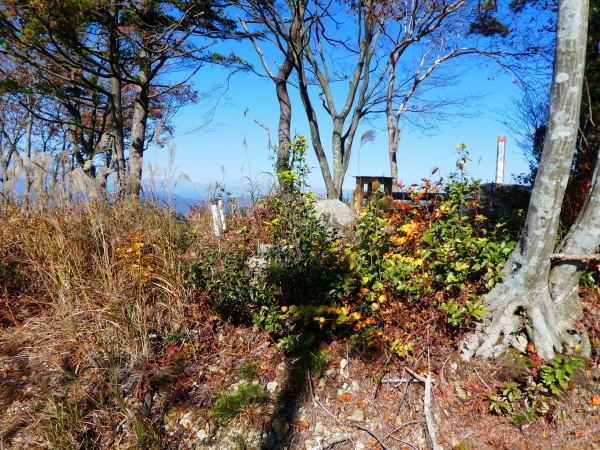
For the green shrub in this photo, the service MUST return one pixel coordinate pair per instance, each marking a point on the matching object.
(537, 395)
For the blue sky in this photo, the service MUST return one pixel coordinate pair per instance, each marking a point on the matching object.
(233, 150)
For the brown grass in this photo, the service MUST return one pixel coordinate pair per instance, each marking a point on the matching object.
(93, 293)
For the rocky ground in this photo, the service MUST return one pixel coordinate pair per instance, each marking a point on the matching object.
(52, 396)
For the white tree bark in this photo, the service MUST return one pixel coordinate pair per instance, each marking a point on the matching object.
(521, 307)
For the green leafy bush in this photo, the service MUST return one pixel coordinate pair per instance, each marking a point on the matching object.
(307, 267)
(537, 395)
(429, 249)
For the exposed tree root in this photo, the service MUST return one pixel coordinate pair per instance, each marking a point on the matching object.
(514, 320)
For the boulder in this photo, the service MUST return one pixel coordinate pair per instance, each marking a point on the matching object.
(337, 214)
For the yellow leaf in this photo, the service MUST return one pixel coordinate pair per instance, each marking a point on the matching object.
(409, 227)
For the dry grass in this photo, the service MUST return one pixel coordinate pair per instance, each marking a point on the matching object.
(97, 281)
(104, 344)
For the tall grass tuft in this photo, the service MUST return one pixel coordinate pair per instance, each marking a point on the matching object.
(107, 278)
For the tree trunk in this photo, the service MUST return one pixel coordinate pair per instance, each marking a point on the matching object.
(394, 132)
(583, 238)
(521, 307)
(28, 153)
(138, 128)
(116, 97)
(138, 137)
(285, 116)
(118, 135)
(312, 68)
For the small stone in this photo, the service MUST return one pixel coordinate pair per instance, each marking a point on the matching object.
(330, 372)
(322, 383)
(461, 393)
(319, 429)
(344, 370)
(202, 435)
(272, 386)
(359, 445)
(309, 445)
(281, 427)
(355, 386)
(357, 416)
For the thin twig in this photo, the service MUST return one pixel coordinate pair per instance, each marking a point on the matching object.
(383, 446)
(319, 403)
(481, 379)
(395, 380)
(404, 442)
(336, 440)
(405, 424)
(419, 377)
(401, 403)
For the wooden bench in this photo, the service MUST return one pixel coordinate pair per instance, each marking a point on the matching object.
(373, 186)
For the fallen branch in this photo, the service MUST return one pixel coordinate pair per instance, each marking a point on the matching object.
(397, 411)
(419, 377)
(314, 399)
(405, 424)
(566, 257)
(330, 442)
(427, 411)
(404, 442)
(395, 380)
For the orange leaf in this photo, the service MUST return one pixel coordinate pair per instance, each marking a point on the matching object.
(346, 397)
(595, 400)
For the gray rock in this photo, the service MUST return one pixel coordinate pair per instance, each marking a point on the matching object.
(337, 214)
(281, 427)
(358, 416)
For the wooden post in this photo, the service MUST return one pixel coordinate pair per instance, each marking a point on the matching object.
(359, 195)
(500, 157)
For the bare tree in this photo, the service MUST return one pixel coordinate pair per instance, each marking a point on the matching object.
(114, 48)
(356, 59)
(537, 298)
(328, 43)
(281, 80)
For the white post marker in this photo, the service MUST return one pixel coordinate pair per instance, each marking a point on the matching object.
(222, 214)
(215, 216)
(500, 157)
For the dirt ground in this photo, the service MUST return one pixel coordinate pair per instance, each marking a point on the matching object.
(52, 396)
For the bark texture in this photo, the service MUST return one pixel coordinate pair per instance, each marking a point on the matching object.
(522, 306)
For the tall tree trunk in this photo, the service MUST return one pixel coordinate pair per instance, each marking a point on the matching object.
(521, 307)
(285, 116)
(583, 238)
(138, 128)
(116, 98)
(394, 132)
(118, 135)
(28, 153)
